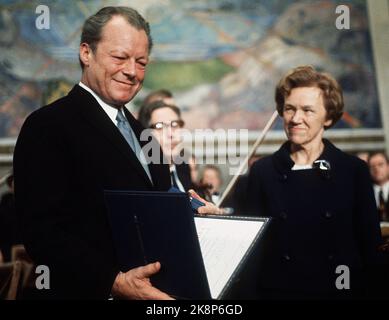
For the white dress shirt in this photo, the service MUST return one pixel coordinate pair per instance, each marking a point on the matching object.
(385, 192)
(109, 110)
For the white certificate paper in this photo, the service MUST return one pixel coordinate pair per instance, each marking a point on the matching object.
(224, 243)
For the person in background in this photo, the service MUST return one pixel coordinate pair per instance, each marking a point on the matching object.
(9, 231)
(211, 181)
(166, 123)
(379, 170)
(194, 169)
(159, 95)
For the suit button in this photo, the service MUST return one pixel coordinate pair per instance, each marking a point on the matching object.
(286, 257)
(328, 215)
(283, 215)
(283, 177)
(330, 257)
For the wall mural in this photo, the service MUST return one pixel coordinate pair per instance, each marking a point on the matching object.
(221, 59)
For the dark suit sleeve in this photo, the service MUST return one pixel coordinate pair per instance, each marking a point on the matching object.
(48, 222)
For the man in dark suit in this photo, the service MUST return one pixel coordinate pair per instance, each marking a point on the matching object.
(70, 151)
(379, 170)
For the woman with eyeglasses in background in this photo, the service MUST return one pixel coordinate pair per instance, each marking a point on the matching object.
(165, 121)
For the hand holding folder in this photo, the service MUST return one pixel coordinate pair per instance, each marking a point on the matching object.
(158, 226)
(201, 257)
(198, 204)
(207, 208)
(135, 284)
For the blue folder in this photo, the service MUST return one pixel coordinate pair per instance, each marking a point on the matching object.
(159, 226)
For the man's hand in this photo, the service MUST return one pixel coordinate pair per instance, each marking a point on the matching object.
(209, 207)
(135, 284)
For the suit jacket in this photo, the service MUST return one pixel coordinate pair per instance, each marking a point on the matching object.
(67, 153)
(320, 220)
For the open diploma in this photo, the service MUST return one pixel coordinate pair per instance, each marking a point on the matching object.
(201, 257)
(224, 243)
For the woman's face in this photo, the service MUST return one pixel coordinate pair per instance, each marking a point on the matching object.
(168, 136)
(305, 116)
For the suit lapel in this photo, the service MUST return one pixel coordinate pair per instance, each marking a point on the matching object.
(96, 116)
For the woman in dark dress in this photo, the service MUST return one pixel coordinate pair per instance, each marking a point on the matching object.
(324, 233)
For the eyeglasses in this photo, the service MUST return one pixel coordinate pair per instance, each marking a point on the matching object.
(173, 124)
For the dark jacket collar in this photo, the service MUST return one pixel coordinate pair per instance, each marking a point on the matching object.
(284, 163)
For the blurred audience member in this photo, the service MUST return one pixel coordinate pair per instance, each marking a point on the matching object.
(210, 183)
(159, 95)
(194, 169)
(166, 123)
(9, 234)
(379, 171)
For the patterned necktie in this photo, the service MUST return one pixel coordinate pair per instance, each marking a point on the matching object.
(126, 131)
(381, 206)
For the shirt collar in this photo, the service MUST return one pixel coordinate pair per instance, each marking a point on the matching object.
(385, 189)
(109, 110)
